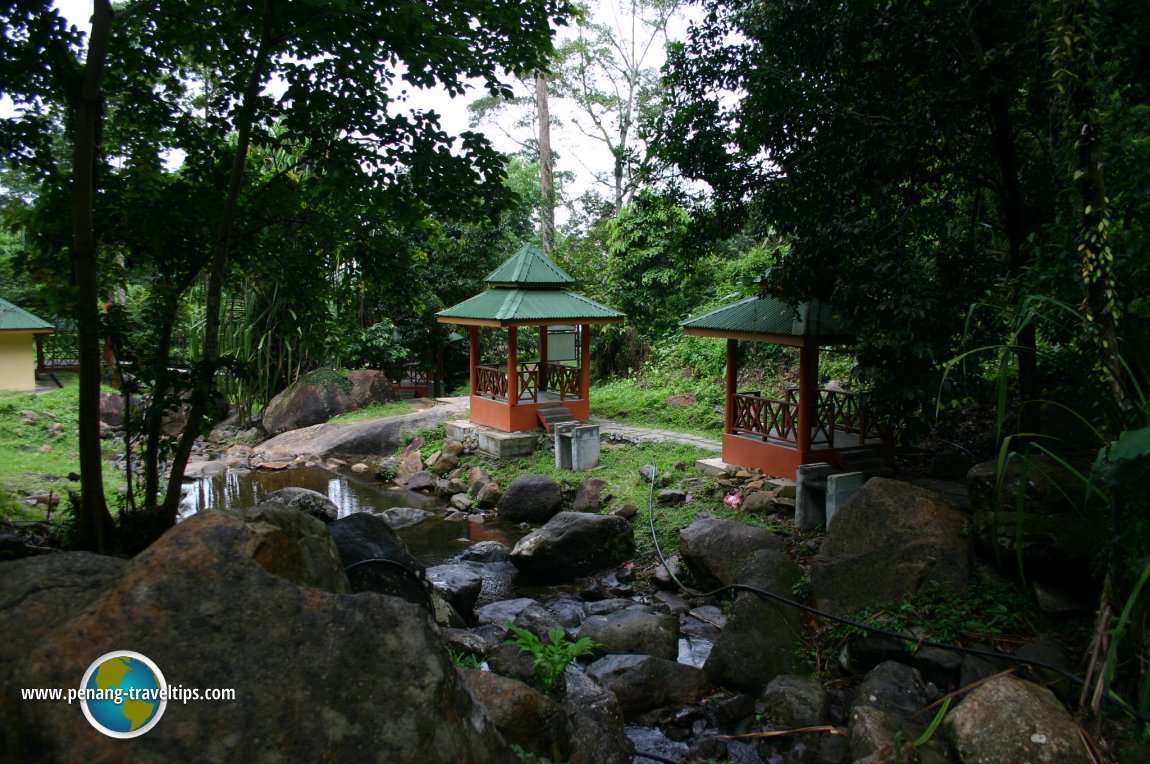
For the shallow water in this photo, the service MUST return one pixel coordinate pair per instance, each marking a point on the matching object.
(434, 541)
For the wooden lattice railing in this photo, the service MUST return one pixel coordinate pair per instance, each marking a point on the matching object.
(489, 381)
(766, 417)
(528, 381)
(563, 380)
(837, 413)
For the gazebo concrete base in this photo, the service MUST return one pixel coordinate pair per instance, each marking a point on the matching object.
(502, 445)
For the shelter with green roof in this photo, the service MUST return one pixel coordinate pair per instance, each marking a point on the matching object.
(808, 423)
(531, 290)
(18, 356)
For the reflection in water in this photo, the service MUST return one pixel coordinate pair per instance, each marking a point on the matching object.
(350, 495)
(433, 541)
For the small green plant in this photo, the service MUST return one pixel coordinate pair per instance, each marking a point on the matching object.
(464, 659)
(549, 658)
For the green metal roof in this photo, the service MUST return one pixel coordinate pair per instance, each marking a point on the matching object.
(13, 318)
(529, 267)
(510, 306)
(766, 315)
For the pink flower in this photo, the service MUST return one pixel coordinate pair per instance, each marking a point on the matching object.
(732, 500)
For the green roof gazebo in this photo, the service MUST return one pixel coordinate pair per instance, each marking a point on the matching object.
(20, 333)
(809, 424)
(530, 290)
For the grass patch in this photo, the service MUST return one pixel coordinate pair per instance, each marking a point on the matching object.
(376, 411)
(38, 452)
(644, 402)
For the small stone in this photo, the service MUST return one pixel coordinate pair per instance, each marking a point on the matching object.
(273, 466)
(359, 468)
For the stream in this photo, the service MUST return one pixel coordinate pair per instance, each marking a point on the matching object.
(434, 542)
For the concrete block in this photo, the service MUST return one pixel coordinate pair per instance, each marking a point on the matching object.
(811, 495)
(840, 489)
(576, 446)
(460, 429)
(786, 489)
(507, 445)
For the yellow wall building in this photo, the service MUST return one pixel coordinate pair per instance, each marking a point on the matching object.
(18, 328)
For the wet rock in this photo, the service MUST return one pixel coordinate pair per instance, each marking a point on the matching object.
(598, 735)
(322, 394)
(421, 481)
(530, 499)
(476, 479)
(590, 497)
(873, 730)
(895, 688)
(643, 682)
(459, 584)
(405, 517)
(1011, 721)
(714, 549)
(526, 717)
(524, 612)
(572, 544)
(891, 539)
(312, 502)
(489, 495)
(486, 551)
(316, 669)
(411, 465)
(795, 701)
(761, 637)
(461, 502)
(444, 464)
(634, 631)
(363, 536)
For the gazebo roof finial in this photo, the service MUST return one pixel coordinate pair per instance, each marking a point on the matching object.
(529, 267)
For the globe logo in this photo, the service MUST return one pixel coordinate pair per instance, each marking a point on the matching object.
(123, 694)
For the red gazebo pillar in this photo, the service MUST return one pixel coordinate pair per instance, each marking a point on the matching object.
(542, 358)
(808, 379)
(585, 361)
(512, 365)
(731, 386)
(474, 357)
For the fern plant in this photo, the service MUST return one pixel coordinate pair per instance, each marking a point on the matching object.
(550, 658)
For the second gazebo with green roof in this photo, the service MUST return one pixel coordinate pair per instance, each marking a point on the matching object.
(808, 423)
(529, 290)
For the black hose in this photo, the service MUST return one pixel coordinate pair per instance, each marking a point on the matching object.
(395, 564)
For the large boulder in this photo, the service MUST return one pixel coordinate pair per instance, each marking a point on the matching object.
(573, 544)
(1011, 721)
(644, 682)
(715, 549)
(526, 717)
(319, 395)
(761, 637)
(530, 499)
(890, 539)
(378, 559)
(313, 502)
(221, 601)
(635, 631)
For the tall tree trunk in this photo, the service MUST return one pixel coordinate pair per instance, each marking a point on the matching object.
(204, 383)
(546, 179)
(1076, 76)
(94, 523)
(1016, 221)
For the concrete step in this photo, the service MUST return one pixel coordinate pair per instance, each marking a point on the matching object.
(864, 460)
(550, 416)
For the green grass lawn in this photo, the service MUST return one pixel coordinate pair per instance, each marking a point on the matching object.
(36, 455)
(644, 403)
(376, 411)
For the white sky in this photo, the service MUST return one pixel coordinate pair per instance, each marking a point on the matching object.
(576, 153)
